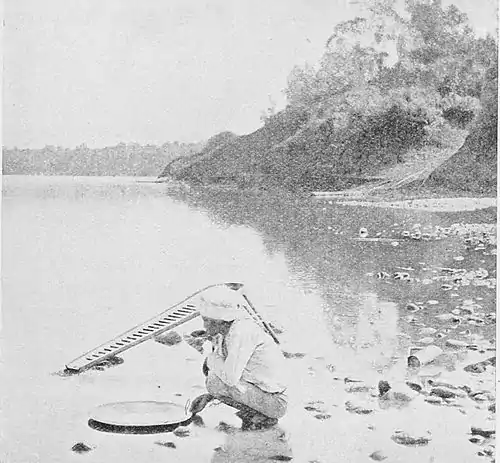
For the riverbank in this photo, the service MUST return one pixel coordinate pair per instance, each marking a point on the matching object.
(431, 200)
(444, 204)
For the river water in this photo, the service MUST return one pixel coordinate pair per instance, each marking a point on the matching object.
(84, 259)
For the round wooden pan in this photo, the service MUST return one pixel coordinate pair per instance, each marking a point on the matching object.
(139, 417)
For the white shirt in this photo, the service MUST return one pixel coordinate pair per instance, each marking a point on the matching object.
(248, 353)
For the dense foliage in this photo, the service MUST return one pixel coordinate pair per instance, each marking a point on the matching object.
(405, 84)
(413, 69)
(123, 159)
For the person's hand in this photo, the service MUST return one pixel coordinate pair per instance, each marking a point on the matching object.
(205, 368)
(217, 341)
(200, 403)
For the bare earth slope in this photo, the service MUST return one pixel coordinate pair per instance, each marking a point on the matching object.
(295, 153)
(474, 167)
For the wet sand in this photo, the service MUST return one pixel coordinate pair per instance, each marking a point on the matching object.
(431, 205)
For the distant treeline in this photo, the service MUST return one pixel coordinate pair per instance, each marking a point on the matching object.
(128, 159)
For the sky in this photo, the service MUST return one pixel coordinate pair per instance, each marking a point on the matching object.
(102, 72)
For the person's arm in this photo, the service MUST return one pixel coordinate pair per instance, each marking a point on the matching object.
(240, 349)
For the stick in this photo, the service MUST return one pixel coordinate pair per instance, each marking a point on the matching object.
(260, 319)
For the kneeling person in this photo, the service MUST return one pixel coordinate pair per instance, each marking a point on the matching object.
(245, 368)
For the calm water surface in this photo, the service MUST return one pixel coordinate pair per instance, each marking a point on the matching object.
(84, 259)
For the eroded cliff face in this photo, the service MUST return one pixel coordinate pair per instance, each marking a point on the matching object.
(294, 151)
(236, 158)
(474, 167)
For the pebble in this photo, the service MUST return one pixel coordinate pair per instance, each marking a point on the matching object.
(354, 389)
(475, 319)
(432, 302)
(109, 362)
(486, 452)
(363, 232)
(170, 338)
(435, 400)
(444, 392)
(182, 431)
(437, 383)
(459, 258)
(351, 380)
(416, 387)
(487, 433)
(314, 408)
(456, 343)
(477, 439)
(479, 367)
(80, 447)
(378, 456)
(482, 396)
(412, 307)
(475, 368)
(358, 409)
(294, 355)
(394, 399)
(427, 331)
(276, 329)
(404, 438)
(169, 445)
(322, 416)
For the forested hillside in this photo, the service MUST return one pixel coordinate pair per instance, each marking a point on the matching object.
(123, 159)
(401, 82)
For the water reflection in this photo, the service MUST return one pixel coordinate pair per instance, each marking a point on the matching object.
(316, 242)
(376, 333)
(265, 446)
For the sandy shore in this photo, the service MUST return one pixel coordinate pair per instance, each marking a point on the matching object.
(431, 205)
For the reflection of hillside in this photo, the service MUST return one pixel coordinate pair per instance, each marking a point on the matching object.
(315, 238)
(365, 315)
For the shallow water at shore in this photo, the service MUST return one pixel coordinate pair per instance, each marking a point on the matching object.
(85, 259)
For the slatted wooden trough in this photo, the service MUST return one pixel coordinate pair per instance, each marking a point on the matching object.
(174, 316)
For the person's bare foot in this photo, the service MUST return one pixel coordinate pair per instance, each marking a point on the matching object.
(253, 421)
